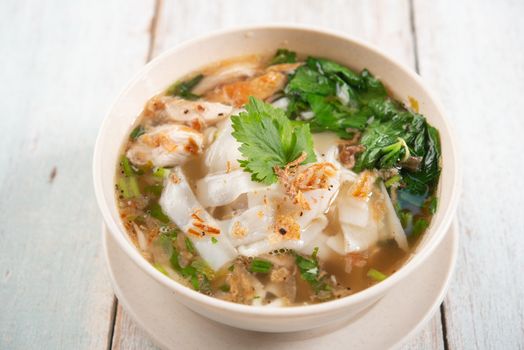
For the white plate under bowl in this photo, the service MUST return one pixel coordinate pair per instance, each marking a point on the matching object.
(393, 319)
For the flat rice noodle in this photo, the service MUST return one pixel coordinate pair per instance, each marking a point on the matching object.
(221, 189)
(179, 203)
(358, 239)
(266, 245)
(320, 242)
(264, 195)
(393, 222)
(337, 243)
(353, 211)
(252, 225)
(223, 154)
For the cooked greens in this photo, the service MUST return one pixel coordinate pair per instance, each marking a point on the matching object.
(331, 97)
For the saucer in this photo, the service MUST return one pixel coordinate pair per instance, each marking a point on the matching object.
(390, 322)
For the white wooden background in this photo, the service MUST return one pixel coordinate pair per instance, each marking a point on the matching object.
(62, 62)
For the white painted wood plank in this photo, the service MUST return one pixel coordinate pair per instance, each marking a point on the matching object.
(384, 23)
(127, 335)
(62, 64)
(429, 338)
(472, 53)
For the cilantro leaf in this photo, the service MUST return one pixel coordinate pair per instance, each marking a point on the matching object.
(269, 139)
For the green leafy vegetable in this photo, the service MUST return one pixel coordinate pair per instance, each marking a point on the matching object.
(340, 100)
(310, 271)
(337, 96)
(268, 139)
(419, 226)
(260, 265)
(376, 275)
(196, 273)
(203, 268)
(283, 56)
(184, 88)
(432, 205)
(224, 288)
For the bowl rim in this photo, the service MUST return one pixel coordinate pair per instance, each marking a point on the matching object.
(301, 310)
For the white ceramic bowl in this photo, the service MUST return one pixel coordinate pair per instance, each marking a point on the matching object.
(194, 54)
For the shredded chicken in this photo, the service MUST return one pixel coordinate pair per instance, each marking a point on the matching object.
(279, 275)
(238, 93)
(166, 145)
(355, 259)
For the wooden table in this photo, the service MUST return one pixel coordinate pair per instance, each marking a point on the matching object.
(63, 62)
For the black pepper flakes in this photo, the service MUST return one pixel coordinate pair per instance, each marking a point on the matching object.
(282, 231)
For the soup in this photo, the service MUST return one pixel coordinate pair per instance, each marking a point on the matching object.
(277, 181)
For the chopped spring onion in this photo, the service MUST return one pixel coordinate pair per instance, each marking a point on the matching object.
(432, 206)
(137, 132)
(214, 240)
(126, 166)
(392, 180)
(189, 245)
(203, 268)
(195, 282)
(129, 187)
(406, 219)
(155, 189)
(159, 172)
(161, 269)
(260, 265)
(315, 253)
(376, 275)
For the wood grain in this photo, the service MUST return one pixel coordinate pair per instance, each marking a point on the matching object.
(62, 64)
(384, 23)
(472, 53)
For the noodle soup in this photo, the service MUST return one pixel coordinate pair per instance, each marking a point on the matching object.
(278, 181)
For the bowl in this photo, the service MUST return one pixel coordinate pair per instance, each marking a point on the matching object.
(177, 62)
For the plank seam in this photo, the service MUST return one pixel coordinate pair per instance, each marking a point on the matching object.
(153, 29)
(444, 326)
(413, 30)
(112, 323)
